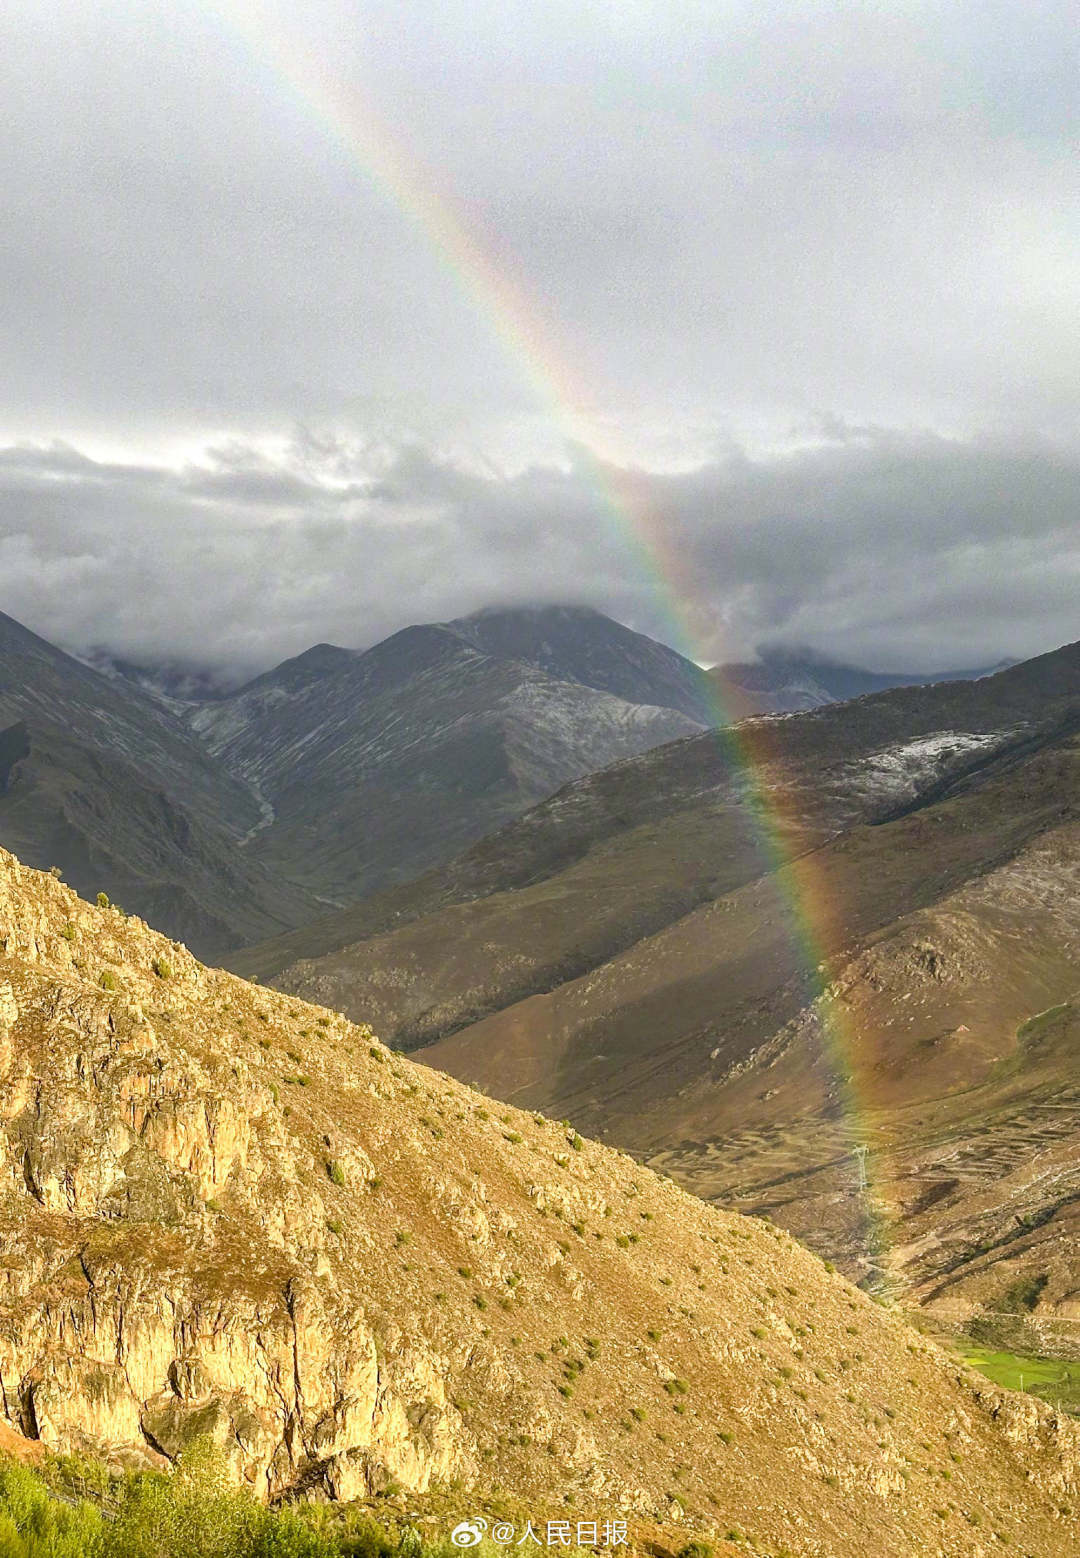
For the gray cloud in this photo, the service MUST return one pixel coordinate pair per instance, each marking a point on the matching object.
(744, 212)
(895, 550)
(758, 243)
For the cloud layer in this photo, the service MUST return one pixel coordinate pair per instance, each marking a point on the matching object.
(430, 225)
(900, 551)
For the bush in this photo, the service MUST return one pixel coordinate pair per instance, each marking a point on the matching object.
(162, 968)
(35, 1525)
(103, 900)
(108, 980)
(190, 1512)
(68, 932)
(336, 1173)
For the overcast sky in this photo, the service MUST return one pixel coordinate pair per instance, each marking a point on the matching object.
(311, 314)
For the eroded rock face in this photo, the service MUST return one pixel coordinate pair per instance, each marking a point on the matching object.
(226, 1213)
(121, 1132)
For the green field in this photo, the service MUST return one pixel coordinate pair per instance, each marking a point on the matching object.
(1051, 1379)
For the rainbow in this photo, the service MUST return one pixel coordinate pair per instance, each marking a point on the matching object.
(507, 310)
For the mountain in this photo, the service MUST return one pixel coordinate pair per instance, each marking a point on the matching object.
(374, 765)
(626, 851)
(784, 683)
(578, 644)
(627, 953)
(102, 781)
(231, 1214)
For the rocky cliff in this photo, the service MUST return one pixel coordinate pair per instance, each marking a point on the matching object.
(227, 1212)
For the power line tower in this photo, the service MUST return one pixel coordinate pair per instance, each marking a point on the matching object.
(860, 1158)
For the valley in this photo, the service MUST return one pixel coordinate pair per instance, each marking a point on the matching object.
(629, 955)
(817, 969)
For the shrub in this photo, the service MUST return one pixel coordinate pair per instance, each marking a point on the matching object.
(35, 1525)
(108, 980)
(162, 968)
(103, 900)
(68, 932)
(190, 1512)
(336, 1173)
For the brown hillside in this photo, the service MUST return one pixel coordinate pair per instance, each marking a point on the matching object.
(225, 1210)
(699, 1050)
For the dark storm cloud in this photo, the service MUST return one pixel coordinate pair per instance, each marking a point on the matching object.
(914, 552)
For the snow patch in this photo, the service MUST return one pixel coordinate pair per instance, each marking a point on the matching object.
(902, 771)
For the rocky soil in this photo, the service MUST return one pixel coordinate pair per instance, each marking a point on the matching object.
(226, 1211)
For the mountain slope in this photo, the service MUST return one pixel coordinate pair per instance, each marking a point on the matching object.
(100, 780)
(642, 973)
(375, 765)
(782, 683)
(578, 644)
(225, 1211)
(620, 854)
(944, 1044)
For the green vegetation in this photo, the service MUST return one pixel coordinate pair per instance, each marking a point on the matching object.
(1040, 1022)
(190, 1513)
(73, 1508)
(162, 968)
(336, 1173)
(68, 932)
(108, 980)
(1051, 1379)
(103, 900)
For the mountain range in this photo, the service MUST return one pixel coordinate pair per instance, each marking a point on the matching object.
(229, 818)
(745, 955)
